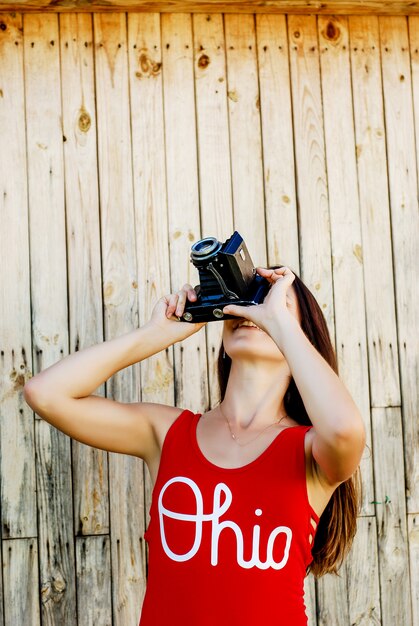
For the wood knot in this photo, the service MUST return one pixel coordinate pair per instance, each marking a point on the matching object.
(148, 67)
(18, 379)
(52, 589)
(84, 121)
(357, 251)
(332, 31)
(203, 61)
(232, 94)
(59, 584)
(108, 290)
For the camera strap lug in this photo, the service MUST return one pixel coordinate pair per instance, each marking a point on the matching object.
(229, 294)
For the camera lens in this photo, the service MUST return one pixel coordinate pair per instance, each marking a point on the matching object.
(205, 249)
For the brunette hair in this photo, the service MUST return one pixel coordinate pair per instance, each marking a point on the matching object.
(337, 524)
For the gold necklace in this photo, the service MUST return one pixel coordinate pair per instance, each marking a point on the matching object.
(233, 436)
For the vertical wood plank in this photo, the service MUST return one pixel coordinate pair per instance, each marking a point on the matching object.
(310, 599)
(191, 380)
(403, 189)
(215, 184)
(381, 322)
(362, 575)
(277, 134)
(332, 600)
(313, 209)
(121, 302)
(403, 181)
(2, 590)
(413, 530)
(55, 514)
(2, 596)
(375, 211)
(391, 516)
(346, 237)
(21, 581)
(245, 133)
(93, 581)
(411, 425)
(279, 168)
(314, 224)
(17, 460)
(49, 308)
(150, 200)
(90, 476)
(146, 102)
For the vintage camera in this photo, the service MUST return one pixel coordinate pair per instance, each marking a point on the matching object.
(226, 276)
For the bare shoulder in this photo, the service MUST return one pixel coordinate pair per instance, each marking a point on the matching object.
(319, 489)
(160, 418)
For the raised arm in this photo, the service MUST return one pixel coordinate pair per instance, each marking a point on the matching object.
(338, 438)
(61, 394)
(338, 434)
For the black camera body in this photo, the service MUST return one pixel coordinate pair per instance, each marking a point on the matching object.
(226, 276)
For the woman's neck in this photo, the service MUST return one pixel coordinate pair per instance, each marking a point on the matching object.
(255, 393)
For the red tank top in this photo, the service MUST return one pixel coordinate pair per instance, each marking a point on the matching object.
(228, 546)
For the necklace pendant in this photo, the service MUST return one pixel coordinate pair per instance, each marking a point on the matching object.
(233, 436)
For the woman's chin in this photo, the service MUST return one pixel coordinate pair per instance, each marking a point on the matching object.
(253, 353)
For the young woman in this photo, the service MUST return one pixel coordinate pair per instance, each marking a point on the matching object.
(248, 496)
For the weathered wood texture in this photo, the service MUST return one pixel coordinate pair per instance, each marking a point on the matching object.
(48, 267)
(330, 7)
(125, 138)
(121, 307)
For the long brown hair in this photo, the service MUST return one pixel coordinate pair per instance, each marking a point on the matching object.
(337, 524)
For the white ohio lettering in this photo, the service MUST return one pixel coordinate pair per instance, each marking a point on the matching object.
(217, 527)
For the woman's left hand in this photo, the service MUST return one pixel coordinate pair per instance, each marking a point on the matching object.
(276, 304)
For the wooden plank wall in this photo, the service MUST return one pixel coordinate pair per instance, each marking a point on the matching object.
(124, 139)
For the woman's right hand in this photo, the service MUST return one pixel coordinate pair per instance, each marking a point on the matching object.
(169, 309)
